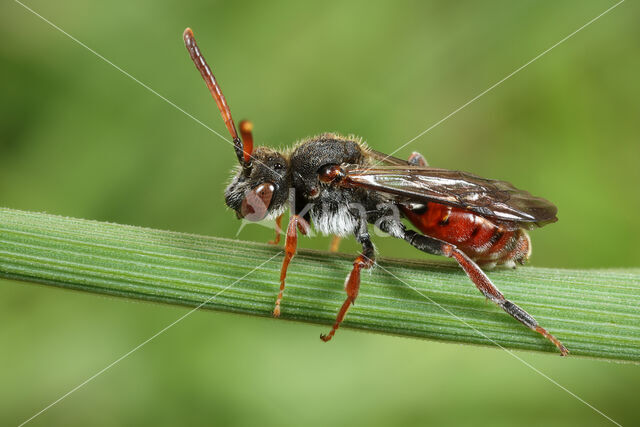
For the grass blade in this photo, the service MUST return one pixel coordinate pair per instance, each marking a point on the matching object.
(594, 312)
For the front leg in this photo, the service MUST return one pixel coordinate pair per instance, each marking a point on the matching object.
(278, 222)
(296, 223)
(352, 285)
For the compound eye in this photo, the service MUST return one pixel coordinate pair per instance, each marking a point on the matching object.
(256, 203)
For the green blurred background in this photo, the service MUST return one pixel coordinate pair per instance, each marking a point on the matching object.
(79, 138)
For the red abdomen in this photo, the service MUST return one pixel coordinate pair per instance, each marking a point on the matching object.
(482, 239)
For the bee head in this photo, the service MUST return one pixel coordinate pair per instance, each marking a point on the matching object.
(259, 189)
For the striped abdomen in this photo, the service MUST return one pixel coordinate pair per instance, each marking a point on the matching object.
(483, 240)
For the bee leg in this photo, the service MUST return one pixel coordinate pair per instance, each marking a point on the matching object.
(296, 223)
(335, 244)
(352, 285)
(417, 159)
(278, 231)
(482, 282)
(478, 277)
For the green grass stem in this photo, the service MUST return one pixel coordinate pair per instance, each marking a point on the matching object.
(594, 312)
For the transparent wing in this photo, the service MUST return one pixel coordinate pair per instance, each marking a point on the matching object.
(486, 197)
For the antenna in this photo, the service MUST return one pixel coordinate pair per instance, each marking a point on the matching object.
(243, 153)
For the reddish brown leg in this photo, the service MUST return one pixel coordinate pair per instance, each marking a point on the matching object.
(352, 285)
(482, 282)
(276, 240)
(335, 244)
(295, 223)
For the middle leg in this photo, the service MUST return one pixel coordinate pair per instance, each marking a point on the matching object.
(335, 244)
(352, 285)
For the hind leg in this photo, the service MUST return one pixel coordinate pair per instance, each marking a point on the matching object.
(478, 277)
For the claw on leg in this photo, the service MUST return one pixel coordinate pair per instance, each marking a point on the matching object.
(352, 286)
(339, 319)
(435, 246)
(547, 335)
(482, 282)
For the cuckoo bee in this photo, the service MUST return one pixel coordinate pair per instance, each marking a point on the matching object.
(341, 186)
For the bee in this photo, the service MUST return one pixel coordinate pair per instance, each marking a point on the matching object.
(341, 186)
